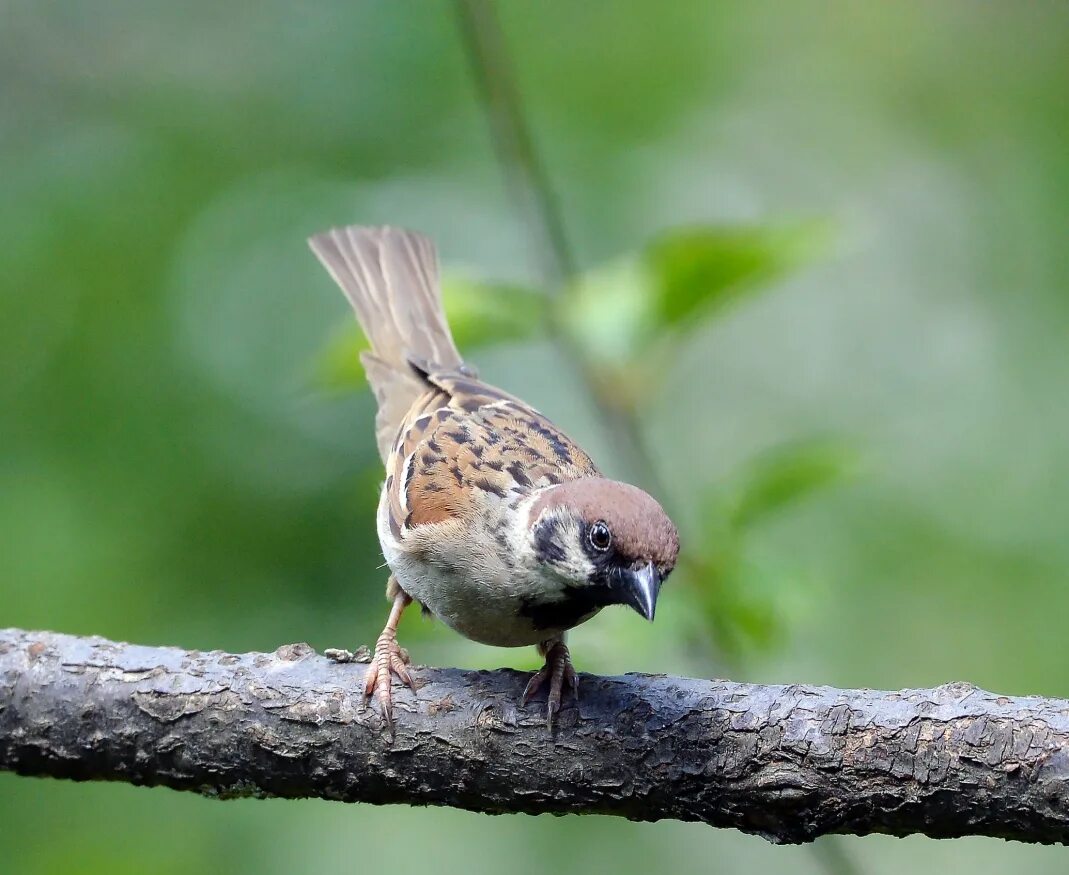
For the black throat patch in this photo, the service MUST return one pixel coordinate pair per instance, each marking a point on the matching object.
(576, 605)
(578, 602)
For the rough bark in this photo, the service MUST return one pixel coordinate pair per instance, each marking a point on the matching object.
(787, 762)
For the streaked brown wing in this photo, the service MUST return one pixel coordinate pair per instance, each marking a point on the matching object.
(463, 436)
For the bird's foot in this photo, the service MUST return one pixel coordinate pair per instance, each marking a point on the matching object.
(389, 659)
(559, 672)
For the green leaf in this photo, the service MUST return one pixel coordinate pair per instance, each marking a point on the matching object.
(479, 314)
(338, 366)
(733, 602)
(482, 314)
(787, 474)
(748, 621)
(700, 269)
(608, 311)
(740, 592)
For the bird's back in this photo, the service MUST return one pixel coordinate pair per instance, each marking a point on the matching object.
(465, 440)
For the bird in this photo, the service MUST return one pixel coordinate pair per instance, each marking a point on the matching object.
(490, 518)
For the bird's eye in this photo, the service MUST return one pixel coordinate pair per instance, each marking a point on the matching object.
(600, 536)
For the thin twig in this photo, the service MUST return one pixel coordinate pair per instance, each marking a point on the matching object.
(529, 183)
(492, 71)
(528, 179)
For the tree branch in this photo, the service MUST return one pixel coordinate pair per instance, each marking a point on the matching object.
(786, 762)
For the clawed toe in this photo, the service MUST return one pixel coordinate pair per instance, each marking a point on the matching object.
(388, 660)
(398, 667)
(385, 664)
(560, 673)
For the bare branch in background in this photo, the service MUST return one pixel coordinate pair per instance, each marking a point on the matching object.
(789, 763)
(526, 176)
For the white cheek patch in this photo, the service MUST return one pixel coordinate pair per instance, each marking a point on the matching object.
(576, 565)
(566, 561)
(581, 568)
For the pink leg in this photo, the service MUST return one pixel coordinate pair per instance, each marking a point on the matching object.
(558, 671)
(389, 660)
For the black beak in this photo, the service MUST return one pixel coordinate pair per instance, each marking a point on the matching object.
(640, 588)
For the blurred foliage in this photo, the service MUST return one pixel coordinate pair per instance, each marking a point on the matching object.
(733, 596)
(627, 316)
(863, 443)
(785, 474)
(696, 271)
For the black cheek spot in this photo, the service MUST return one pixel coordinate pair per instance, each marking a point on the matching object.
(547, 547)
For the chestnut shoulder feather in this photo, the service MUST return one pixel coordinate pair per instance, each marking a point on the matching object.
(465, 440)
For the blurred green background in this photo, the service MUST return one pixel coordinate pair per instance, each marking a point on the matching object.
(825, 291)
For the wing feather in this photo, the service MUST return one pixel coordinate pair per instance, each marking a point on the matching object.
(465, 437)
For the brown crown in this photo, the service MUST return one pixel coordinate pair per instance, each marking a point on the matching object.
(640, 528)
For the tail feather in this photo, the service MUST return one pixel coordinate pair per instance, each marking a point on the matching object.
(390, 277)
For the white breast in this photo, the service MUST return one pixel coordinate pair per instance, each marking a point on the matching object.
(474, 581)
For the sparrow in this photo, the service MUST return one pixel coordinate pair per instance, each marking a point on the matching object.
(490, 517)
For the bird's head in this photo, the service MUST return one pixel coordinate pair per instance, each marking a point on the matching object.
(610, 540)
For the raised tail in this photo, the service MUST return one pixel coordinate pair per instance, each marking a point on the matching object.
(390, 276)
